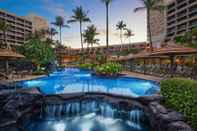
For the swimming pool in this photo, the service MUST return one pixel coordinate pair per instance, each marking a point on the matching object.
(72, 80)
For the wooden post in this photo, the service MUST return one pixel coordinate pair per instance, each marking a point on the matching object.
(131, 65)
(171, 65)
(144, 66)
(7, 67)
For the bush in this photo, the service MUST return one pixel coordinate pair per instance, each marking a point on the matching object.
(39, 72)
(87, 66)
(181, 95)
(109, 69)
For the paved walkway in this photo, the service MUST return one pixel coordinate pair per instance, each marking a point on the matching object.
(142, 76)
(27, 77)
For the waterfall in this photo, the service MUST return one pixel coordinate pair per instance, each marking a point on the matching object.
(100, 108)
(135, 116)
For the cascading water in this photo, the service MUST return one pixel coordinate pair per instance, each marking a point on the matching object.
(87, 115)
(57, 111)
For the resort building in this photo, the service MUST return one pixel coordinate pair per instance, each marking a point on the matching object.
(181, 18)
(19, 28)
(39, 23)
(68, 55)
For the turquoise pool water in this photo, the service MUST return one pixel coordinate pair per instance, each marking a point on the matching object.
(72, 80)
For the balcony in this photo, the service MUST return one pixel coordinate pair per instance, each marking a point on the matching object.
(182, 5)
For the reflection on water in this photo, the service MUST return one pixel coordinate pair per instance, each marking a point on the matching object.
(75, 80)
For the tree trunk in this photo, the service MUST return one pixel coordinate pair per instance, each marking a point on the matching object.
(149, 30)
(129, 40)
(121, 39)
(51, 36)
(60, 34)
(81, 36)
(107, 25)
(121, 36)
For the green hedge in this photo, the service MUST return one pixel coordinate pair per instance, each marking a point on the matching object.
(109, 68)
(86, 66)
(181, 95)
(39, 72)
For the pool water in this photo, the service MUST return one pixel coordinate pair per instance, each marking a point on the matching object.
(76, 80)
(88, 116)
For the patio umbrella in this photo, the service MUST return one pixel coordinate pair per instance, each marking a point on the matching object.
(7, 54)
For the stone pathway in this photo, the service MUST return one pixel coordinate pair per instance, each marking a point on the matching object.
(142, 76)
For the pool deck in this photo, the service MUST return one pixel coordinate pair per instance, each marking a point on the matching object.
(142, 76)
(27, 77)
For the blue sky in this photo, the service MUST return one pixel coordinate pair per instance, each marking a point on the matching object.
(119, 10)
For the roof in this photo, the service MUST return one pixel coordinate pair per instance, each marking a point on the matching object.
(173, 49)
(168, 49)
(9, 54)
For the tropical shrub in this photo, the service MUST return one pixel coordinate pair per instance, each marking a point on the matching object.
(38, 51)
(188, 39)
(181, 95)
(39, 72)
(87, 66)
(108, 69)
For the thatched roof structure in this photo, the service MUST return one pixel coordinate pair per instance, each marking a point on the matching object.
(9, 54)
(173, 49)
(167, 50)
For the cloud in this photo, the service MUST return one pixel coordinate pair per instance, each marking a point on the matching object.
(102, 32)
(55, 8)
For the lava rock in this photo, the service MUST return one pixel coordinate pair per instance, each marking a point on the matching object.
(178, 126)
(157, 108)
(148, 99)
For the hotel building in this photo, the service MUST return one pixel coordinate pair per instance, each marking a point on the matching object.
(181, 18)
(19, 28)
(39, 23)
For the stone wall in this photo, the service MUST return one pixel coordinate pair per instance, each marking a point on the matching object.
(18, 107)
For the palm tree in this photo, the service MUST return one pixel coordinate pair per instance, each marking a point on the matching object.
(150, 5)
(79, 15)
(59, 22)
(4, 27)
(107, 3)
(129, 34)
(90, 36)
(121, 26)
(52, 32)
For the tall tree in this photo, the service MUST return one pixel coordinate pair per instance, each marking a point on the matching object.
(121, 26)
(59, 22)
(90, 36)
(52, 32)
(150, 5)
(107, 3)
(79, 15)
(4, 27)
(129, 34)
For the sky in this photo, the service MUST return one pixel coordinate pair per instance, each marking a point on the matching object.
(119, 10)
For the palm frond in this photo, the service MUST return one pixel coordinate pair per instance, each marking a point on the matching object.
(71, 21)
(139, 8)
